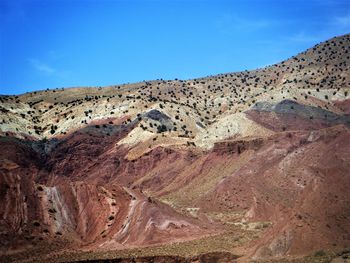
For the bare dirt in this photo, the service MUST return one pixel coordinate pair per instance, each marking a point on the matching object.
(240, 167)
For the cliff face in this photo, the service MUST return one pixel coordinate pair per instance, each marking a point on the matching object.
(253, 163)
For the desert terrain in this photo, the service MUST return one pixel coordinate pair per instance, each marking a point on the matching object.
(250, 166)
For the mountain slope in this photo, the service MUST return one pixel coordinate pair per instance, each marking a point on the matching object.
(254, 163)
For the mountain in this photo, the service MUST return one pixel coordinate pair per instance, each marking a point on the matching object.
(253, 165)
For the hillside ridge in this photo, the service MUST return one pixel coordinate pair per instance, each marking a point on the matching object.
(252, 165)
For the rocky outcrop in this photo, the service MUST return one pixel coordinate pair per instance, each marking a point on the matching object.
(305, 111)
(290, 115)
(237, 146)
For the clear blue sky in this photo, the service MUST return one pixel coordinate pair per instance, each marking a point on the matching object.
(52, 43)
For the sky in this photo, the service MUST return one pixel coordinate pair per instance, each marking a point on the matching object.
(66, 43)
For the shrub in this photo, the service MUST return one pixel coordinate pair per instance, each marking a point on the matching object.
(52, 210)
(161, 128)
(320, 253)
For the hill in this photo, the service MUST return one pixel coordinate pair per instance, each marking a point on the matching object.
(251, 165)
